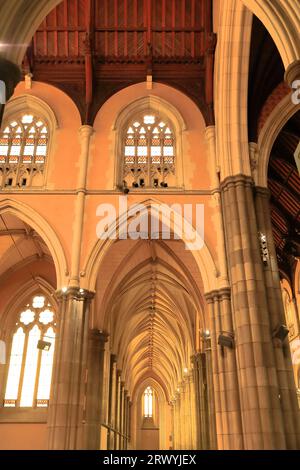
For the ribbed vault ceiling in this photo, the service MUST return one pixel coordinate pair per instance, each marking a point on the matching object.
(152, 308)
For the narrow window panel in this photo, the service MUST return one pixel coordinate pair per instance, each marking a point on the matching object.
(142, 151)
(15, 150)
(168, 151)
(28, 150)
(46, 367)
(30, 367)
(41, 150)
(15, 365)
(4, 150)
(155, 151)
(129, 151)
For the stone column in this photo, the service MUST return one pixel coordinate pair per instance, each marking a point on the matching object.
(10, 75)
(285, 376)
(125, 422)
(177, 417)
(199, 402)
(118, 407)
(209, 396)
(121, 427)
(225, 379)
(85, 133)
(261, 407)
(65, 420)
(112, 401)
(192, 412)
(94, 390)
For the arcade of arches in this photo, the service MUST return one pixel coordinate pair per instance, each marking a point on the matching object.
(170, 126)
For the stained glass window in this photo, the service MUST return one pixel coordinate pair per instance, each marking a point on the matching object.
(148, 402)
(23, 151)
(30, 366)
(148, 152)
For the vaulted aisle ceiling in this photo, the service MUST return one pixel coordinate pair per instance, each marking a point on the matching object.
(152, 309)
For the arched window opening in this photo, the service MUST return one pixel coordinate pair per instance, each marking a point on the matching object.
(149, 153)
(31, 358)
(23, 152)
(148, 403)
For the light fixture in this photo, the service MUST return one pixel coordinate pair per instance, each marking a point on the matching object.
(185, 370)
(226, 339)
(64, 289)
(43, 345)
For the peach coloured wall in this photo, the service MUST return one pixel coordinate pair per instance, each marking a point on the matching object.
(23, 436)
(58, 208)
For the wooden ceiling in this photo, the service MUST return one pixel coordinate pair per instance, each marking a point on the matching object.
(93, 48)
(284, 184)
(266, 71)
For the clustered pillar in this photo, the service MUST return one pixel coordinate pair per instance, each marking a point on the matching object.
(67, 401)
(265, 404)
(184, 415)
(119, 410)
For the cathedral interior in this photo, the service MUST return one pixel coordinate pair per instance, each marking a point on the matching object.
(128, 127)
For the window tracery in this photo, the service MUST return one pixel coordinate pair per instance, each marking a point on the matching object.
(31, 357)
(149, 153)
(23, 151)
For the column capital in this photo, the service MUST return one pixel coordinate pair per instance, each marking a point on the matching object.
(210, 132)
(98, 335)
(86, 131)
(262, 191)
(75, 293)
(236, 180)
(292, 73)
(220, 294)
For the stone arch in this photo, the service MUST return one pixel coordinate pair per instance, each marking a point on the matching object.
(38, 223)
(17, 28)
(203, 257)
(232, 67)
(272, 127)
(150, 103)
(282, 20)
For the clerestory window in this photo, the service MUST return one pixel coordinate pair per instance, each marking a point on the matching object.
(149, 156)
(23, 152)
